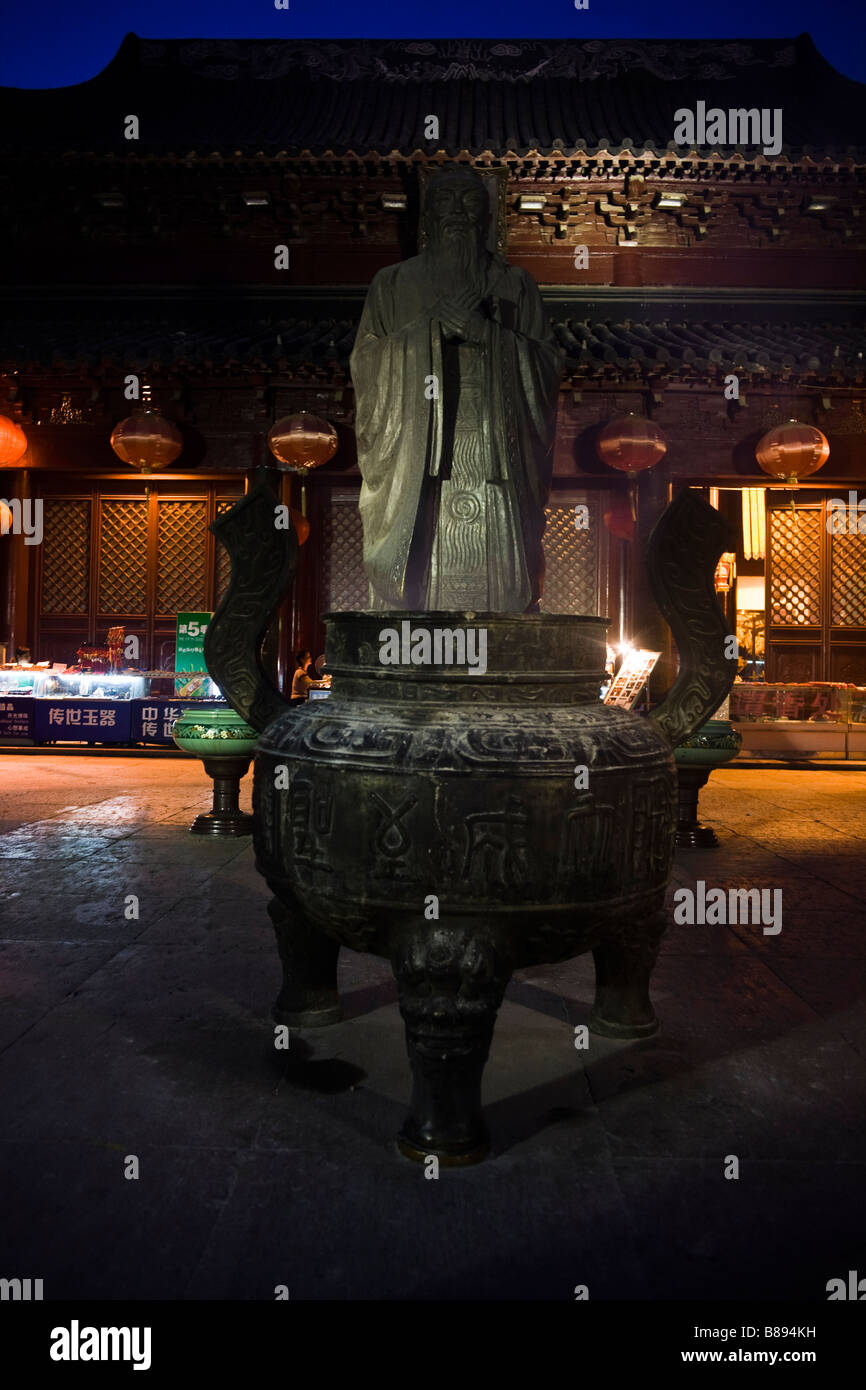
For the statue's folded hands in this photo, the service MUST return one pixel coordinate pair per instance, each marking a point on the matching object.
(474, 328)
(459, 324)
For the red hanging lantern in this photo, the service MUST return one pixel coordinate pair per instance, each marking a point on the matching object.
(631, 444)
(5, 519)
(146, 441)
(13, 442)
(792, 451)
(301, 443)
(619, 520)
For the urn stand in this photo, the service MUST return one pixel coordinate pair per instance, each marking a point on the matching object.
(716, 742)
(429, 811)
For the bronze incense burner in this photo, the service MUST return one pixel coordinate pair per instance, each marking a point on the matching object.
(464, 824)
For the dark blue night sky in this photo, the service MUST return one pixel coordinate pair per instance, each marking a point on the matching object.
(54, 43)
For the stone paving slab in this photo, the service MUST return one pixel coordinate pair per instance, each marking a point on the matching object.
(531, 1229)
(781, 1230)
(35, 977)
(69, 1211)
(153, 1037)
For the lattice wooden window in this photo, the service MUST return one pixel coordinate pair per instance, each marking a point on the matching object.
(222, 563)
(848, 581)
(795, 573)
(345, 584)
(571, 562)
(123, 558)
(66, 557)
(571, 558)
(181, 572)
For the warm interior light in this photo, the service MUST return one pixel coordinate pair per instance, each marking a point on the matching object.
(754, 524)
(750, 593)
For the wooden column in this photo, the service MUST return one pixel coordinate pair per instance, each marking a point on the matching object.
(306, 628)
(285, 634)
(6, 587)
(648, 627)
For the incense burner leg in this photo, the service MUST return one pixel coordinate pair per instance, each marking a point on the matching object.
(623, 966)
(451, 982)
(308, 998)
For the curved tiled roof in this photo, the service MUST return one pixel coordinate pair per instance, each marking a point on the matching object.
(364, 97)
(669, 349)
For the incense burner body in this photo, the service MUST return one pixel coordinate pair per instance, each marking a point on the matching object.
(513, 803)
(466, 818)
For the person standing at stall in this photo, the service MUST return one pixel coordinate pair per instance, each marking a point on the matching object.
(302, 681)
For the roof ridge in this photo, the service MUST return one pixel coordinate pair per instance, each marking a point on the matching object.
(413, 60)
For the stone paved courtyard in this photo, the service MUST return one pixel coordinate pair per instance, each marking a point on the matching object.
(152, 1037)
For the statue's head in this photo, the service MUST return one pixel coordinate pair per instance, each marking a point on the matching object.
(456, 211)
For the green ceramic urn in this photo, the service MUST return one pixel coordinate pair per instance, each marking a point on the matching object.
(225, 744)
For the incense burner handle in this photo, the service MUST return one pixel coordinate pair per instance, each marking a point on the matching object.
(263, 565)
(682, 554)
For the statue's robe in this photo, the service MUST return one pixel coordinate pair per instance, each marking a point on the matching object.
(455, 441)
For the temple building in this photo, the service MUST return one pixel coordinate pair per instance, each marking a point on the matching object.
(206, 215)
(543, 932)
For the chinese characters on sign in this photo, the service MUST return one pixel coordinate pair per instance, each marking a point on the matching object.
(88, 718)
(92, 721)
(189, 653)
(157, 721)
(153, 720)
(81, 721)
(14, 720)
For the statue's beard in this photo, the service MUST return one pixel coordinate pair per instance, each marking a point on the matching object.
(457, 262)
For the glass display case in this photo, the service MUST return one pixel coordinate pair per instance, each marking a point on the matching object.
(47, 705)
(85, 706)
(857, 705)
(89, 685)
(187, 685)
(18, 680)
(821, 701)
(817, 719)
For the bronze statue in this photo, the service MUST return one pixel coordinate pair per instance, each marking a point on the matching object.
(456, 371)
